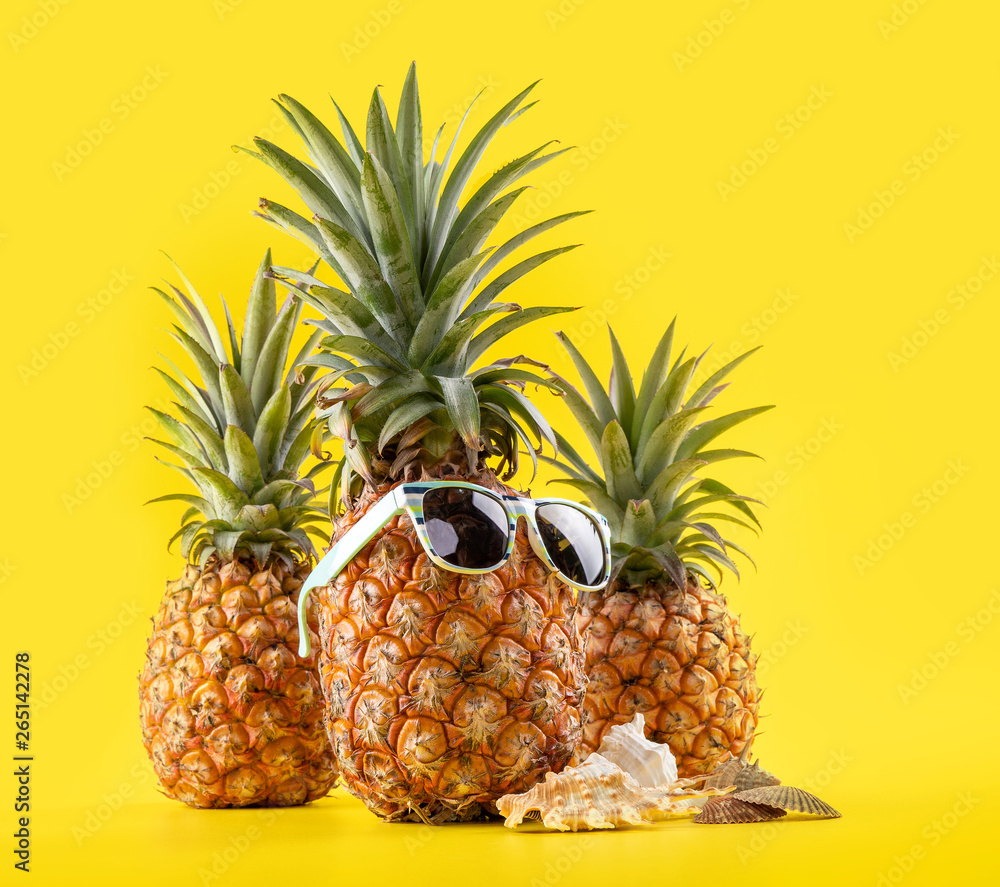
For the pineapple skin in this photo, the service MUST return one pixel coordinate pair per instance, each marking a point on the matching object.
(231, 716)
(680, 658)
(445, 692)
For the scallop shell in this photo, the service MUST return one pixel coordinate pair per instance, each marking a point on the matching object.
(731, 809)
(648, 763)
(597, 794)
(788, 798)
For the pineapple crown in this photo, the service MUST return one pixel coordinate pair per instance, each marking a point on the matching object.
(421, 302)
(649, 446)
(241, 432)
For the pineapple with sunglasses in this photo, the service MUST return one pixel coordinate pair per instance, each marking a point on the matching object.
(449, 656)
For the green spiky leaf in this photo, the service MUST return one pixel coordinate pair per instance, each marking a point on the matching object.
(663, 524)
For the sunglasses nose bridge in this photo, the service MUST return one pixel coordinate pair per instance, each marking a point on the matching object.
(521, 521)
(536, 542)
(524, 516)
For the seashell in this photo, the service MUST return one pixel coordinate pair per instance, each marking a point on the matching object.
(754, 776)
(739, 772)
(731, 809)
(725, 774)
(788, 798)
(598, 794)
(648, 763)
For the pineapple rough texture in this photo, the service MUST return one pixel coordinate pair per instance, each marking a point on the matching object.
(658, 639)
(231, 716)
(444, 691)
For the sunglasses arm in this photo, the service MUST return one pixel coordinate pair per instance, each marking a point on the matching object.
(340, 555)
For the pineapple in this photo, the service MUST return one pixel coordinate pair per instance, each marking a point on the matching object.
(444, 691)
(231, 716)
(659, 639)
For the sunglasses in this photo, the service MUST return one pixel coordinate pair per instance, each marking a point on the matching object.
(466, 528)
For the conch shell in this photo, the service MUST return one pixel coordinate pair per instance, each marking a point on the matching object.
(648, 763)
(598, 794)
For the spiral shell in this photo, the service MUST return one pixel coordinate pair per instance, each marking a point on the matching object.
(754, 776)
(598, 794)
(741, 773)
(732, 810)
(788, 798)
(648, 763)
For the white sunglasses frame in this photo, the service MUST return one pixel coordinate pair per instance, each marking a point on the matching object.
(408, 498)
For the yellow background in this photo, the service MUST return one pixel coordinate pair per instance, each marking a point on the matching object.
(857, 435)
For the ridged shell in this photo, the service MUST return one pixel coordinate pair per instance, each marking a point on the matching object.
(754, 777)
(724, 775)
(739, 772)
(597, 794)
(732, 810)
(648, 763)
(788, 798)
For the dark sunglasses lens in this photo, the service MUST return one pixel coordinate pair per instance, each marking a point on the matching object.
(574, 542)
(466, 528)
